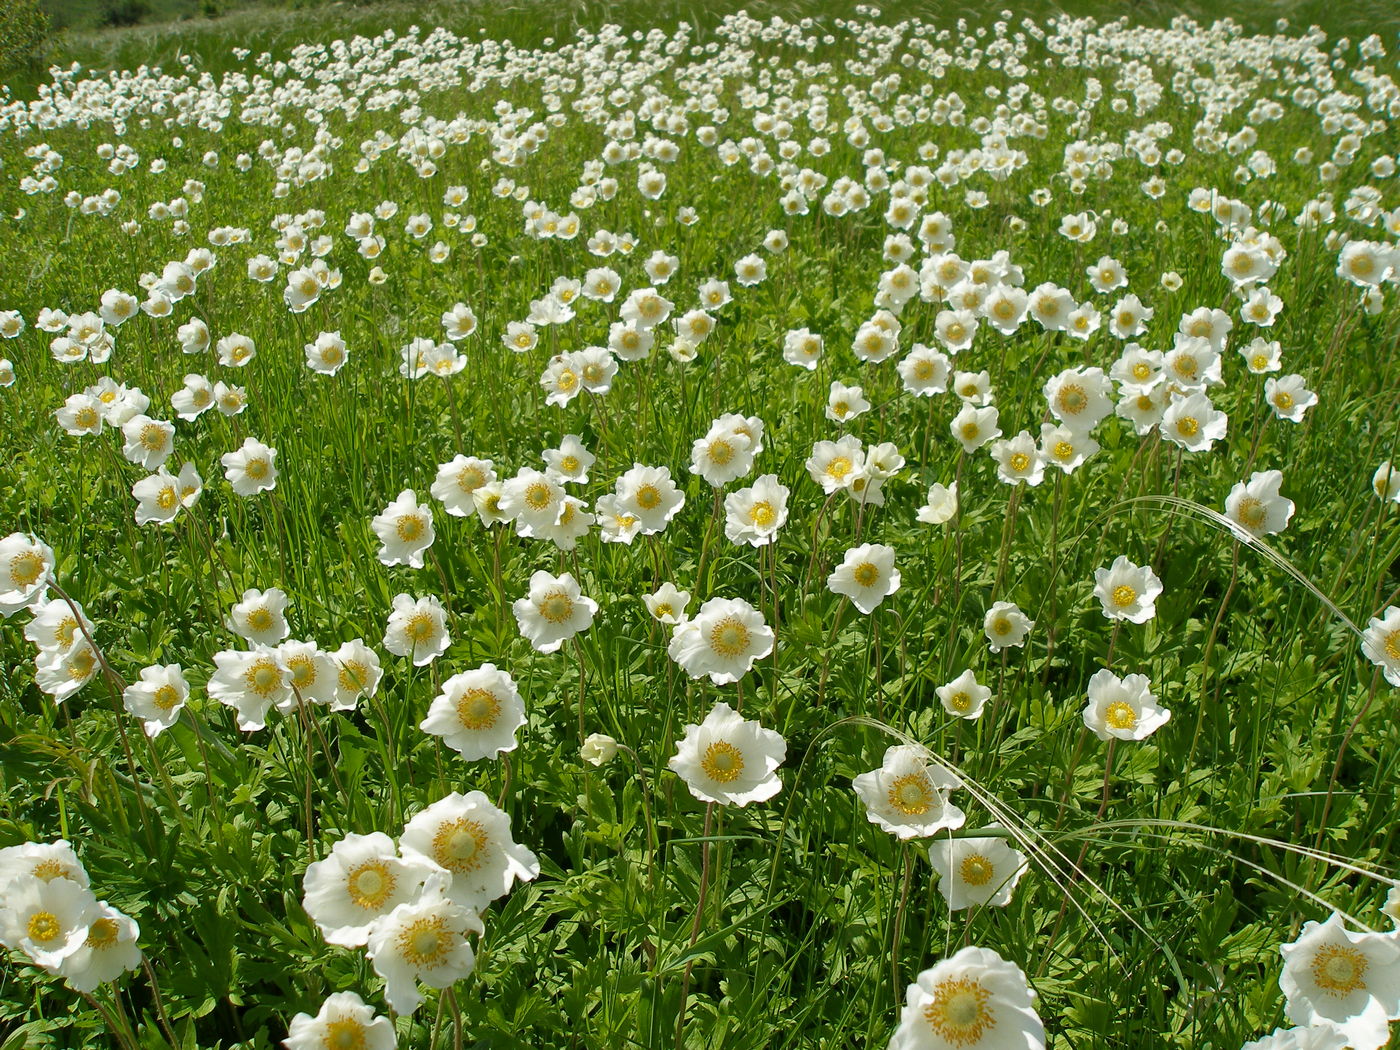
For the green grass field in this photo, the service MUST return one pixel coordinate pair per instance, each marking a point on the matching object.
(921, 171)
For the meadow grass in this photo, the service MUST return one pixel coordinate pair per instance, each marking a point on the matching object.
(1165, 873)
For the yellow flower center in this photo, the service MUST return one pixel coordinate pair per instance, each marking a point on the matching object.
(344, 1033)
(303, 670)
(569, 464)
(44, 927)
(1184, 365)
(567, 380)
(49, 869)
(648, 497)
(1251, 513)
(720, 451)
(556, 607)
(1283, 400)
(592, 373)
(425, 942)
(260, 619)
(970, 430)
(762, 514)
(1392, 645)
(419, 627)
(409, 527)
(722, 762)
(167, 498)
(166, 697)
(866, 574)
(26, 568)
(1001, 625)
(839, 467)
(469, 479)
(86, 418)
(1338, 970)
(1120, 715)
(1187, 426)
(370, 885)
(1258, 362)
(1063, 450)
(478, 709)
(263, 677)
(976, 870)
(460, 845)
(1141, 370)
(102, 934)
(1123, 596)
(912, 794)
(352, 676)
(1004, 309)
(1019, 462)
(152, 437)
(256, 469)
(729, 637)
(923, 370)
(841, 409)
(537, 496)
(958, 1013)
(1072, 399)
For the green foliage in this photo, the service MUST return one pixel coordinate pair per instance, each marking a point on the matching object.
(24, 36)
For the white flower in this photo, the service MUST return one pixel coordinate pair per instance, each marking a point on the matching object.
(533, 501)
(41, 860)
(417, 629)
(867, 576)
(357, 674)
(469, 838)
(1065, 448)
(598, 749)
(722, 641)
(667, 605)
(252, 468)
(907, 795)
(963, 696)
(1381, 643)
(1385, 483)
(147, 442)
(1193, 423)
(251, 683)
(1256, 508)
(975, 1000)
(360, 881)
(311, 674)
(1122, 707)
(569, 462)
(1079, 397)
(55, 626)
(157, 697)
(1289, 397)
(973, 427)
(405, 531)
(47, 919)
(835, 464)
(157, 497)
(729, 759)
(722, 455)
(1313, 1037)
(802, 348)
(553, 611)
(344, 1020)
(1127, 591)
(977, 872)
(423, 939)
(844, 403)
(108, 951)
(1019, 460)
(754, 515)
(940, 506)
(63, 673)
(1005, 625)
(260, 616)
(648, 495)
(1350, 981)
(25, 570)
(477, 713)
(457, 479)
(327, 354)
(924, 371)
